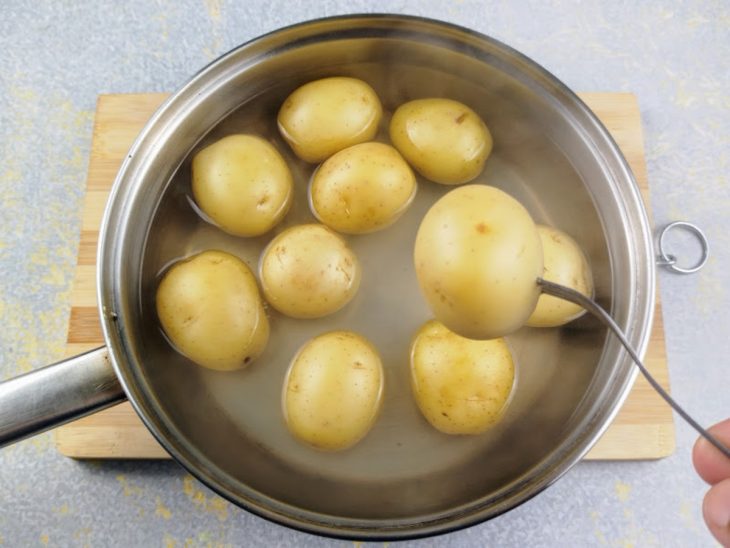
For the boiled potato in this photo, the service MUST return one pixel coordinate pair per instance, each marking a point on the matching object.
(478, 257)
(444, 140)
(565, 264)
(363, 188)
(333, 390)
(461, 386)
(308, 271)
(242, 184)
(210, 309)
(328, 115)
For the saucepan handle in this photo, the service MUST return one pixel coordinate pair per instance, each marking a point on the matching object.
(57, 394)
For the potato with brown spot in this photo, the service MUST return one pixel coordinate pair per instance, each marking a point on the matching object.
(444, 140)
(461, 386)
(478, 257)
(325, 116)
(362, 189)
(211, 311)
(565, 264)
(333, 390)
(242, 184)
(308, 271)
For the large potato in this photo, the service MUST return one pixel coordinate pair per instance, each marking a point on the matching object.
(210, 309)
(308, 271)
(478, 257)
(243, 184)
(444, 140)
(333, 390)
(363, 188)
(328, 115)
(565, 264)
(461, 386)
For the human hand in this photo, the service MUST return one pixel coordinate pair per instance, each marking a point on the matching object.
(714, 468)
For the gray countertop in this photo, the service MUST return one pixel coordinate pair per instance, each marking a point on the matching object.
(58, 56)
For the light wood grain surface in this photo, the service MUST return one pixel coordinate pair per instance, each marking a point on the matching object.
(643, 429)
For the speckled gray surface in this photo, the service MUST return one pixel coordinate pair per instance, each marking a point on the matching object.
(57, 57)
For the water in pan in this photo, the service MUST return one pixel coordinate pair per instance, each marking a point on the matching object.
(388, 309)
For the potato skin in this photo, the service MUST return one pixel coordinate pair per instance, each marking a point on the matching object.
(444, 140)
(478, 257)
(242, 184)
(210, 309)
(461, 386)
(362, 189)
(565, 264)
(328, 115)
(308, 271)
(333, 390)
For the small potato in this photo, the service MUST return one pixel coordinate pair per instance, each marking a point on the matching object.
(362, 189)
(565, 264)
(444, 140)
(461, 386)
(243, 184)
(333, 390)
(308, 271)
(328, 115)
(478, 257)
(210, 309)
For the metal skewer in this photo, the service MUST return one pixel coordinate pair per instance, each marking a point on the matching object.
(591, 306)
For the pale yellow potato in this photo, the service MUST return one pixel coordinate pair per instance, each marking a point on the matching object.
(444, 140)
(333, 390)
(461, 386)
(210, 309)
(478, 257)
(242, 184)
(565, 264)
(363, 188)
(308, 271)
(328, 115)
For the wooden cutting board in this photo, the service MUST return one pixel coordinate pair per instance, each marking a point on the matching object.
(643, 429)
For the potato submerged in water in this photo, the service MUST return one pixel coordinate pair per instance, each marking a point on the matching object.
(210, 309)
(243, 184)
(444, 140)
(333, 390)
(565, 264)
(308, 271)
(478, 257)
(363, 188)
(461, 386)
(329, 115)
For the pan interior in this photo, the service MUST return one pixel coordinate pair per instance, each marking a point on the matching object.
(232, 423)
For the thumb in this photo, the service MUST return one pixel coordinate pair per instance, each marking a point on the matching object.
(716, 511)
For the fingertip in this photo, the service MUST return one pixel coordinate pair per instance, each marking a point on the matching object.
(716, 511)
(711, 465)
(698, 453)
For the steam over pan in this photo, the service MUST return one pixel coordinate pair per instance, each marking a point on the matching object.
(404, 479)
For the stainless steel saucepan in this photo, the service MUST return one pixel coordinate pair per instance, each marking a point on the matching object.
(404, 479)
